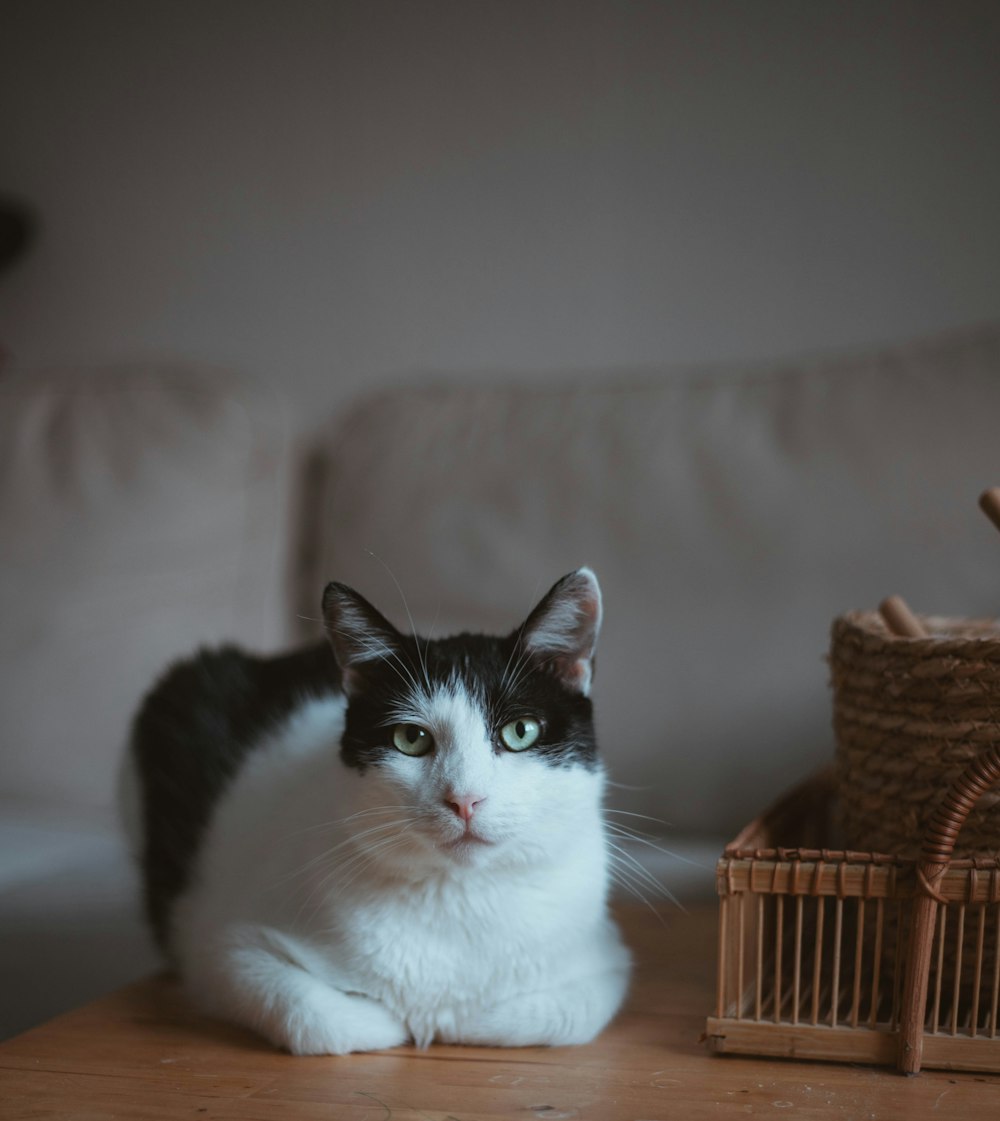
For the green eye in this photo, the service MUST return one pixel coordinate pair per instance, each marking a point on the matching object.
(520, 734)
(411, 739)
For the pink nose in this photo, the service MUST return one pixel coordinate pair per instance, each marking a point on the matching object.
(464, 805)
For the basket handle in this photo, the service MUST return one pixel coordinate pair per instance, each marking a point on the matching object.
(935, 855)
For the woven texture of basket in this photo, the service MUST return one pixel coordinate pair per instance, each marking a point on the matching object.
(909, 715)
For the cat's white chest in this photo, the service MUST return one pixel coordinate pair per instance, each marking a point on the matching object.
(430, 954)
(451, 941)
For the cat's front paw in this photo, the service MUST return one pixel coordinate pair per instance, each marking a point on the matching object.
(335, 1023)
(559, 1017)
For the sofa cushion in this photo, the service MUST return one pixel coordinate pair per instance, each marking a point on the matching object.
(729, 514)
(141, 512)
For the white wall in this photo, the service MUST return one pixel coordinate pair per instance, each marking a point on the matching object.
(328, 194)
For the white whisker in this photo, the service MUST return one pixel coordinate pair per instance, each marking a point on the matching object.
(333, 823)
(365, 856)
(624, 881)
(328, 854)
(630, 813)
(641, 874)
(639, 838)
(380, 652)
(406, 607)
(376, 853)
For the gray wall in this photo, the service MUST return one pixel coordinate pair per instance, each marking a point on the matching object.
(329, 194)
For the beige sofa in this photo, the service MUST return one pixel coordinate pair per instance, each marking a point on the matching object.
(729, 513)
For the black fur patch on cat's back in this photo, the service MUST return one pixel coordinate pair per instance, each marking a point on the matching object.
(189, 738)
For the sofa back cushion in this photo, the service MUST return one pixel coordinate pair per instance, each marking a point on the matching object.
(729, 514)
(141, 514)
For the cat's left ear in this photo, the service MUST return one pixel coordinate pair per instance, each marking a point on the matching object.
(562, 630)
(358, 633)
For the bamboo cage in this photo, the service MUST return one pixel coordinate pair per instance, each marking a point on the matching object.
(826, 953)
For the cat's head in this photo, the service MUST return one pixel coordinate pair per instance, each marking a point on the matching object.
(483, 746)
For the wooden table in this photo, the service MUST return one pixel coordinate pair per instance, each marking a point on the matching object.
(143, 1052)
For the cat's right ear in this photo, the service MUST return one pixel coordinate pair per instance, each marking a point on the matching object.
(358, 633)
(562, 630)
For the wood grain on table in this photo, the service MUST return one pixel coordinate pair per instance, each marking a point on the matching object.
(143, 1052)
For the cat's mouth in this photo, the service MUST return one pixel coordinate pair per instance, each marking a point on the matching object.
(466, 841)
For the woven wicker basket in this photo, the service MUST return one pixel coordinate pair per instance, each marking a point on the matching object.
(909, 716)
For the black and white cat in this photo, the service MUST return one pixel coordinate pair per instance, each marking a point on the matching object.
(385, 839)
